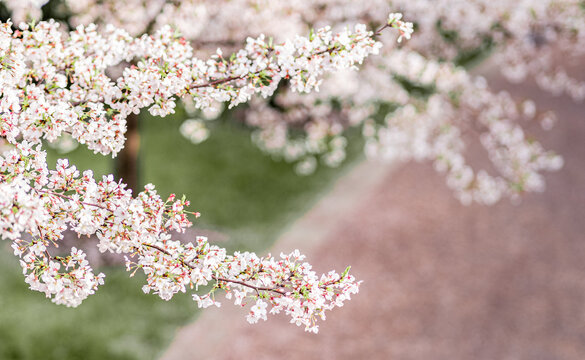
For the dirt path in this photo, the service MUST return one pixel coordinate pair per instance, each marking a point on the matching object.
(442, 281)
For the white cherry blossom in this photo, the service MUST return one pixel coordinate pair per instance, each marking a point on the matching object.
(56, 83)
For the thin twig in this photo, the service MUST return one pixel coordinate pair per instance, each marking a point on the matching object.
(218, 278)
(71, 199)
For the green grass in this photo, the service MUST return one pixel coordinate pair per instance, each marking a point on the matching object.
(239, 191)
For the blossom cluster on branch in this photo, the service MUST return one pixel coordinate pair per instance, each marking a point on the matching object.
(415, 103)
(54, 83)
(525, 39)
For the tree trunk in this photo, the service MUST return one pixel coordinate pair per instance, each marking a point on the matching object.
(127, 159)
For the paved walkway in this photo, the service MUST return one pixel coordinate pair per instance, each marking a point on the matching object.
(441, 281)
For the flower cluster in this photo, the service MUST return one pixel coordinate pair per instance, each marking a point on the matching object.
(529, 38)
(457, 104)
(529, 35)
(402, 126)
(287, 283)
(194, 130)
(443, 109)
(63, 85)
(55, 83)
(44, 203)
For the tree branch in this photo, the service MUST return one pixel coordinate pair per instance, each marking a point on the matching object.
(218, 278)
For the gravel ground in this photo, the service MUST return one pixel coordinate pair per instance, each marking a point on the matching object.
(441, 281)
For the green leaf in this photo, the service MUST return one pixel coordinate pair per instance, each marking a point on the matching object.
(346, 272)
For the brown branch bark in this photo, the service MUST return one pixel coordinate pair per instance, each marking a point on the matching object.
(218, 278)
(70, 198)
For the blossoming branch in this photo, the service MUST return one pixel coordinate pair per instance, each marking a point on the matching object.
(54, 83)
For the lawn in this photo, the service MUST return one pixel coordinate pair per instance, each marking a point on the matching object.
(240, 193)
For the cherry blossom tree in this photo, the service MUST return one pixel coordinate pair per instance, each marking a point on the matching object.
(414, 101)
(56, 82)
(425, 101)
